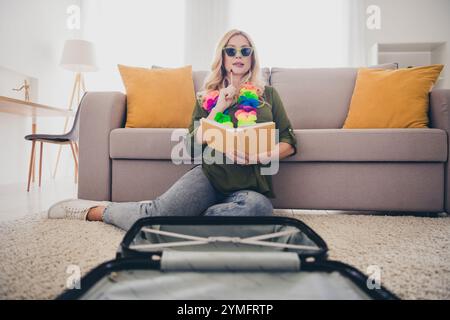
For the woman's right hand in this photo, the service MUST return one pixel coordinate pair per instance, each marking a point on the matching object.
(226, 98)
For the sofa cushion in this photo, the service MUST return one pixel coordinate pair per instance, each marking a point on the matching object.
(317, 98)
(158, 98)
(392, 98)
(143, 143)
(420, 145)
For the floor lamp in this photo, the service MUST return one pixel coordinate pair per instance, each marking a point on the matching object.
(79, 57)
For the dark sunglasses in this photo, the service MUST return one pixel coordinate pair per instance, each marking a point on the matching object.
(244, 51)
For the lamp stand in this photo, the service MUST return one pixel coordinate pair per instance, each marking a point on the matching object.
(78, 86)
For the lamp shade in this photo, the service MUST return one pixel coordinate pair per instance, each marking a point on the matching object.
(78, 56)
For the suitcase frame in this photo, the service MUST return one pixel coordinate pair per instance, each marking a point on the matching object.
(230, 250)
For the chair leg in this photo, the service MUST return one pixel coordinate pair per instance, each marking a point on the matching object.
(31, 164)
(77, 151)
(40, 163)
(76, 162)
(32, 170)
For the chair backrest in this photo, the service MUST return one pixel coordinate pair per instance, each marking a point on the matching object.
(73, 134)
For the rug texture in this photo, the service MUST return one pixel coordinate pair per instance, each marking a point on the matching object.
(37, 255)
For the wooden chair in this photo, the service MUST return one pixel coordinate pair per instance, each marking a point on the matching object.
(70, 138)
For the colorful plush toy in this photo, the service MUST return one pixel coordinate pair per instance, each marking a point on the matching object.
(248, 102)
(210, 100)
(224, 119)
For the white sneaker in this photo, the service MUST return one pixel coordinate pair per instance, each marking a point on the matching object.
(73, 209)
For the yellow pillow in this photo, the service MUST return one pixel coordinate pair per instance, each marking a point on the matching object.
(158, 98)
(391, 98)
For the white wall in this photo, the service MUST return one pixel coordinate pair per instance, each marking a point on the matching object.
(412, 21)
(32, 34)
(132, 32)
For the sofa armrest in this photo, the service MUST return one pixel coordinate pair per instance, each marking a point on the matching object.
(440, 109)
(440, 119)
(100, 113)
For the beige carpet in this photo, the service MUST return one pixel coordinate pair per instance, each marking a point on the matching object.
(412, 252)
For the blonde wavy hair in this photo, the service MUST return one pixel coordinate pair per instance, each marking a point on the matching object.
(218, 79)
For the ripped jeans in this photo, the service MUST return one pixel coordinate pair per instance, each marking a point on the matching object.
(191, 195)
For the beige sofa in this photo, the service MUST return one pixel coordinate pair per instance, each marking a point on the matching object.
(338, 169)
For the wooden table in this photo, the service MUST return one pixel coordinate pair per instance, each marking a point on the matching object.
(31, 109)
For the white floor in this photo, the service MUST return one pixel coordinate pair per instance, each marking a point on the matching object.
(16, 202)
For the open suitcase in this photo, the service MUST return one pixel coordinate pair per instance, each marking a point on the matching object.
(227, 258)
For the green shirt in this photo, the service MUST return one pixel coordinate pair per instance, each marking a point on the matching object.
(227, 178)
